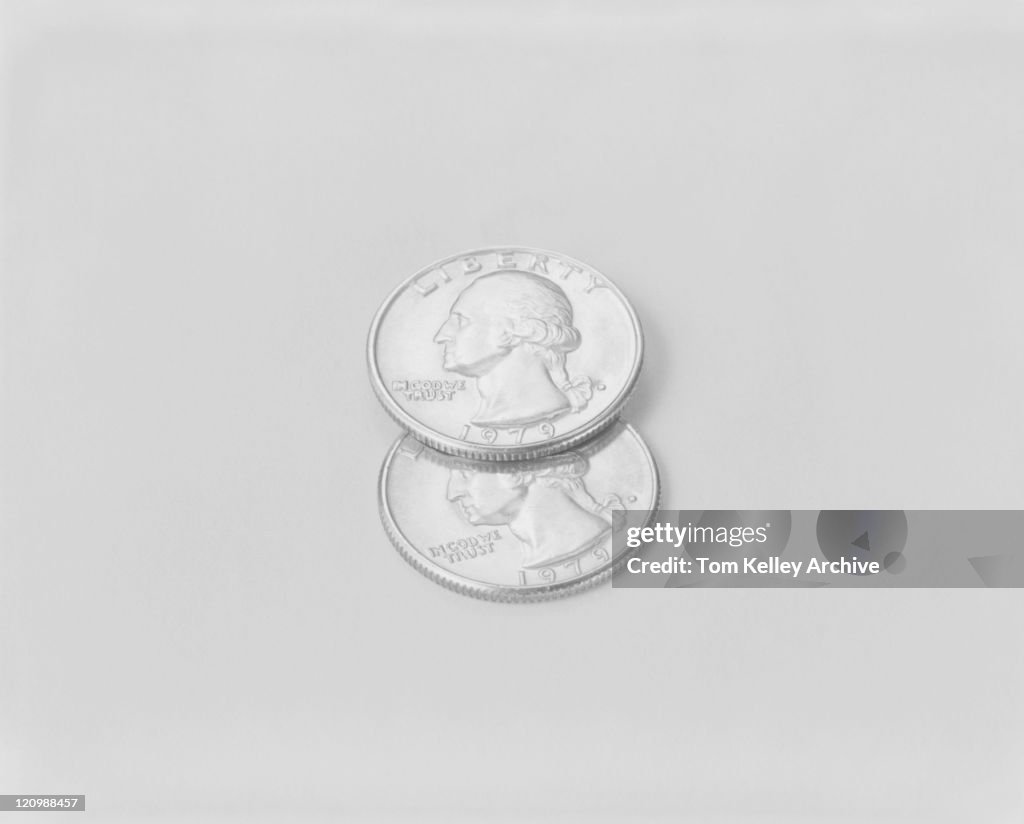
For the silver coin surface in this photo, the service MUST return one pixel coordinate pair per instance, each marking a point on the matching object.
(520, 531)
(505, 354)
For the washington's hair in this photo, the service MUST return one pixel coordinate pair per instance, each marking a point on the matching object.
(542, 320)
(567, 475)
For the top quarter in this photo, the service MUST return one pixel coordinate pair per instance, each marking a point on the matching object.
(505, 353)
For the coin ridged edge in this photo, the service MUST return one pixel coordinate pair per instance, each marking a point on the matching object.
(496, 592)
(482, 452)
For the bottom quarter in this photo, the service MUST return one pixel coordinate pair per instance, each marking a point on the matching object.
(523, 531)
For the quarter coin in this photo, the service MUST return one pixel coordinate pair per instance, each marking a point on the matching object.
(505, 353)
(517, 531)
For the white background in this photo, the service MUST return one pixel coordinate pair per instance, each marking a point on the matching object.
(817, 210)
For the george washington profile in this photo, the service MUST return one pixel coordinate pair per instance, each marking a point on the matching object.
(512, 331)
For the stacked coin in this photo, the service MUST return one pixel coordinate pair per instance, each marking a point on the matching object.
(508, 367)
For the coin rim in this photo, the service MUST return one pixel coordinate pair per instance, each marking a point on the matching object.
(503, 593)
(454, 446)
